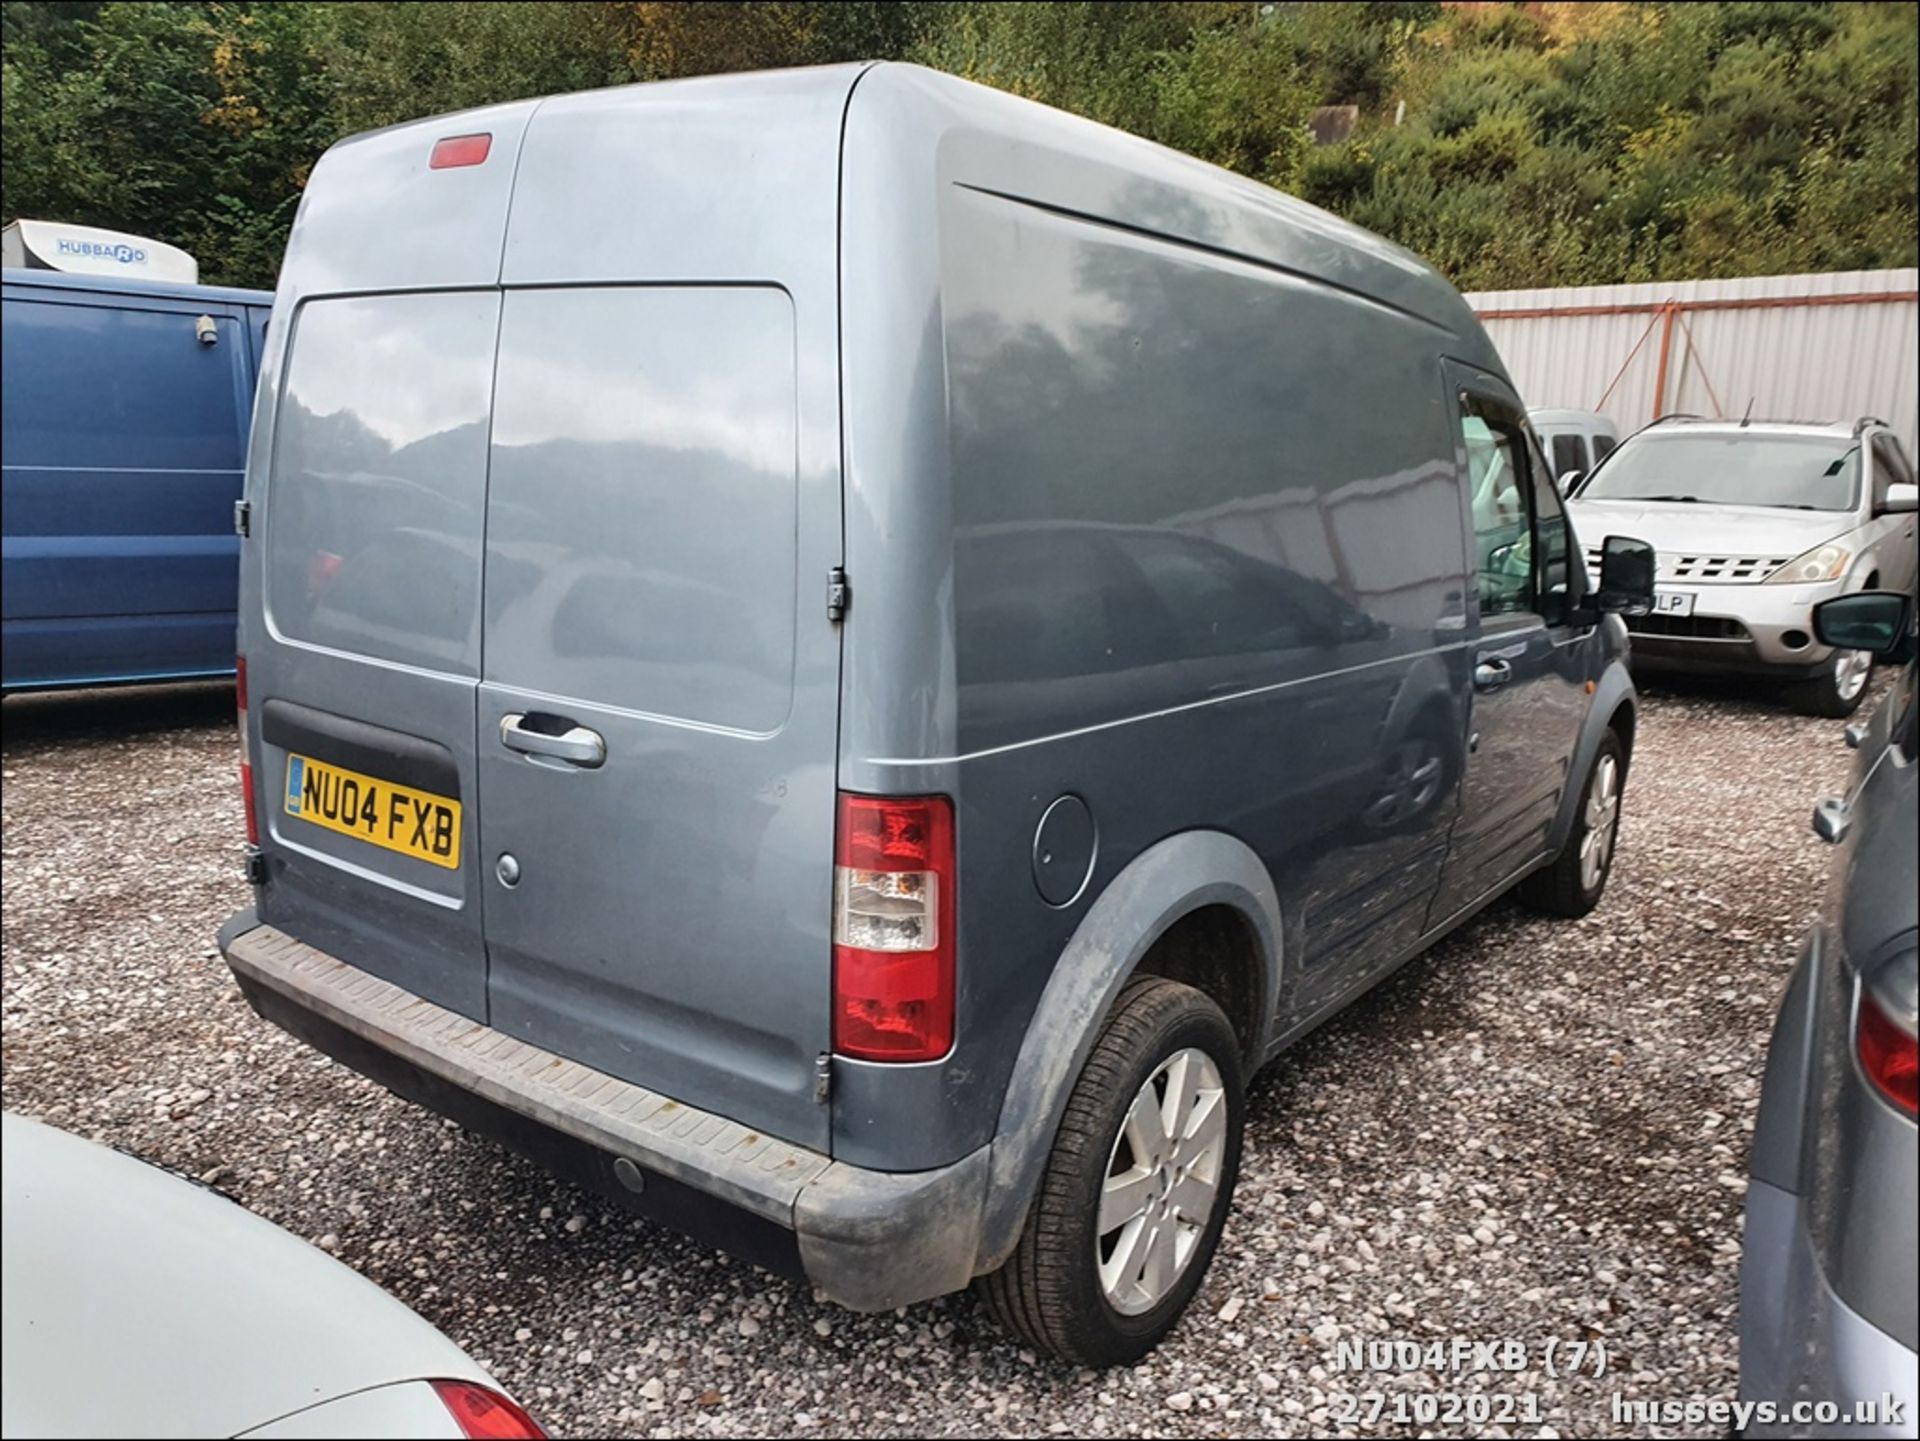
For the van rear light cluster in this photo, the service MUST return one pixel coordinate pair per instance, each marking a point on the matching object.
(1888, 1050)
(893, 983)
(483, 1414)
(246, 749)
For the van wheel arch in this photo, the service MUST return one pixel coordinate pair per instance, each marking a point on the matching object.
(1180, 909)
(1622, 723)
(1215, 949)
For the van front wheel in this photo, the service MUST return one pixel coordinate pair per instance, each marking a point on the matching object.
(1571, 883)
(1136, 1188)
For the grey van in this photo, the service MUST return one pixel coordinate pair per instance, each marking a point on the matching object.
(842, 656)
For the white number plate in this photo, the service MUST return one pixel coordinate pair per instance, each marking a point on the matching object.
(1673, 602)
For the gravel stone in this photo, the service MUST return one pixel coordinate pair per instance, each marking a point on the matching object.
(1537, 1131)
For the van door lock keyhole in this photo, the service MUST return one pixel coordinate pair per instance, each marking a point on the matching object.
(508, 869)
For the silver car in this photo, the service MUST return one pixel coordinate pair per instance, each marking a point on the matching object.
(138, 1304)
(1755, 524)
(1828, 1281)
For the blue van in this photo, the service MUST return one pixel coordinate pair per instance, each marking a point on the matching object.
(123, 431)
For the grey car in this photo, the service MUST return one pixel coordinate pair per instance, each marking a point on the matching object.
(140, 1304)
(842, 656)
(1827, 1277)
(1755, 524)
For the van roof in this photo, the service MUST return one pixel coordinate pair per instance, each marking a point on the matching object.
(1139, 185)
(145, 289)
(1114, 178)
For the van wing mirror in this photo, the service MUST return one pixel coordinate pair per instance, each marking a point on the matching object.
(1569, 479)
(1902, 499)
(1880, 621)
(1626, 576)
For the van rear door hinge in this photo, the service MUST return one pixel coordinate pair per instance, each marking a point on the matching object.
(242, 518)
(822, 1077)
(839, 593)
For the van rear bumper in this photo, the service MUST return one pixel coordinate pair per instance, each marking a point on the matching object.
(869, 1240)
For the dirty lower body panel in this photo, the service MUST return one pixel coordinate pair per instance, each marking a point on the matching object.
(870, 1240)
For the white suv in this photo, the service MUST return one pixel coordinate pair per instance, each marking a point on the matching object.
(1756, 523)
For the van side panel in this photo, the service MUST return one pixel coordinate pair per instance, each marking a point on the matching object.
(1187, 531)
(1207, 558)
(124, 433)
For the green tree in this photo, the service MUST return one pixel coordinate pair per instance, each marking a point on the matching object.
(1538, 144)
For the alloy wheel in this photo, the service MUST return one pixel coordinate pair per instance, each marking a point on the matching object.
(1850, 671)
(1602, 819)
(1163, 1178)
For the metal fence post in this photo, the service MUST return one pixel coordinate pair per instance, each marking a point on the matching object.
(1667, 312)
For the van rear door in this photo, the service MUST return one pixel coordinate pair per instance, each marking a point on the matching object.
(360, 607)
(660, 679)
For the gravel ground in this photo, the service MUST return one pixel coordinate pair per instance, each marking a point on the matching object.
(1537, 1132)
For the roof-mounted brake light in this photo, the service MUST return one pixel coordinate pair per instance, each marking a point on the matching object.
(457, 150)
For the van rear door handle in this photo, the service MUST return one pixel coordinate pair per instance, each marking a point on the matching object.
(1491, 674)
(554, 738)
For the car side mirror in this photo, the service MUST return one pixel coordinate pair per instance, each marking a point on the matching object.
(1569, 479)
(1626, 576)
(1880, 621)
(1902, 499)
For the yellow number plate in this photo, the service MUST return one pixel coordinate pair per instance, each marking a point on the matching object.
(394, 817)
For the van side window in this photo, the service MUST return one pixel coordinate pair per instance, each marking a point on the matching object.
(1602, 447)
(1502, 527)
(1554, 575)
(1567, 454)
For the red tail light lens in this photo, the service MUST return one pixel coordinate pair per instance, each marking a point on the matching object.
(246, 752)
(458, 150)
(1889, 1054)
(246, 795)
(893, 882)
(479, 1412)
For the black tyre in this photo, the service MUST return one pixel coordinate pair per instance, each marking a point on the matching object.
(1136, 1188)
(1839, 688)
(1572, 883)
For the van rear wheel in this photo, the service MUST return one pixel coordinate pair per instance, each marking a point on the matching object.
(1136, 1189)
(1571, 884)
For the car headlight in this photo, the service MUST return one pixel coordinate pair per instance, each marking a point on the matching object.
(1823, 562)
